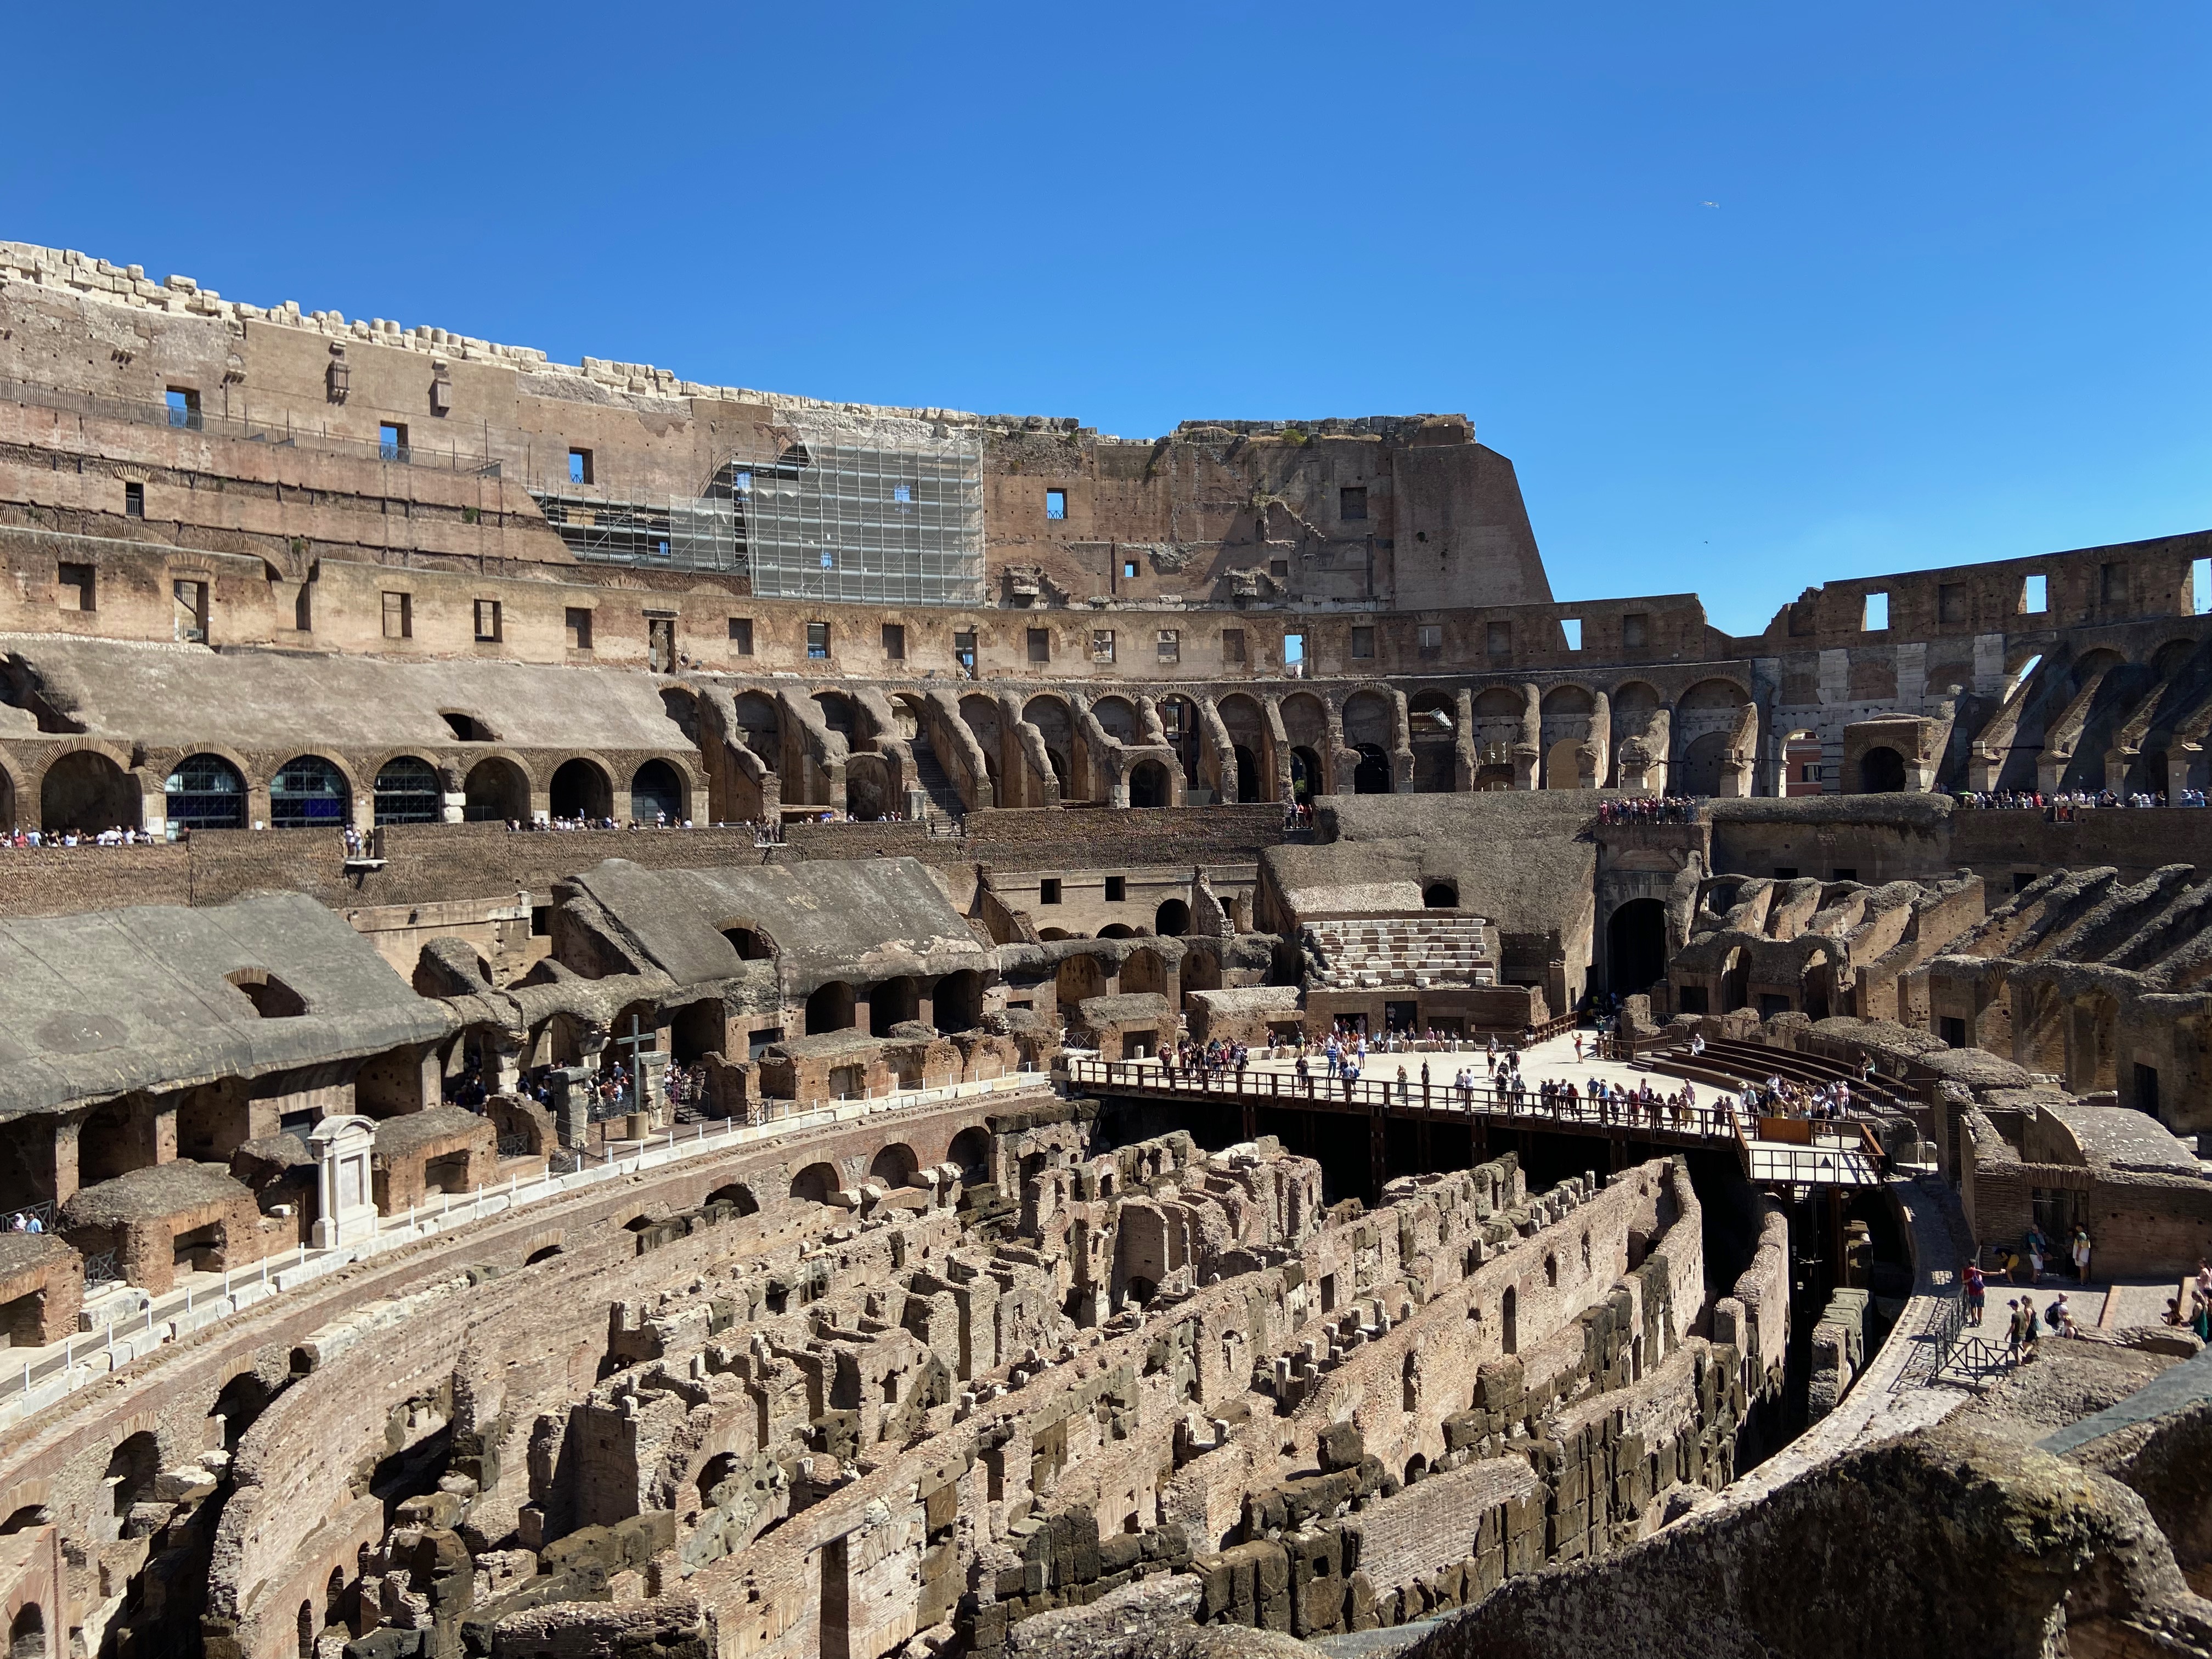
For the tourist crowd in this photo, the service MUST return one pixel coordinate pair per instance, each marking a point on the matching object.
(2060, 808)
(1648, 809)
(117, 836)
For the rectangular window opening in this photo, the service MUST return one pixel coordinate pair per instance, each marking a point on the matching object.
(1572, 628)
(1875, 617)
(190, 603)
(2200, 586)
(184, 406)
(1040, 643)
(1352, 502)
(1056, 503)
(964, 650)
(2034, 594)
(1363, 644)
(1101, 644)
(75, 587)
(1429, 641)
(488, 622)
(1118, 889)
(579, 466)
(1294, 655)
(818, 641)
(398, 615)
(1128, 570)
(392, 440)
(741, 635)
(895, 641)
(134, 501)
(1170, 645)
(580, 627)
(1048, 890)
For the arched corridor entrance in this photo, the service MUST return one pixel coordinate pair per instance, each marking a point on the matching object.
(1148, 785)
(86, 790)
(1881, 771)
(1373, 776)
(1636, 946)
(580, 790)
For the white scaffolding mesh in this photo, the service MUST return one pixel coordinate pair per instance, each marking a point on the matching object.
(875, 523)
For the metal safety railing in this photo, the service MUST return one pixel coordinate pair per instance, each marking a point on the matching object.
(137, 1325)
(1322, 1091)
(1951, 1350)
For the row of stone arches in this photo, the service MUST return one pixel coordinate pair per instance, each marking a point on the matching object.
(955, 1004)
(89, 789)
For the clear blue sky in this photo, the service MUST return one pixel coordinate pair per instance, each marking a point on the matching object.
(1951, 304)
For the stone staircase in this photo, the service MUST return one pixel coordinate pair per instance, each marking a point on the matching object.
(1442, 950)
(945, 810)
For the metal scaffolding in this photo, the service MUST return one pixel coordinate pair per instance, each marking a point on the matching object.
(703, 534)
(874, 523)
(819, 519)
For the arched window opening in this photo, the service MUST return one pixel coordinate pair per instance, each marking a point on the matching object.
(241, 1401)
(738, 1197)
(657, 791)
(1172, 919)
(971, 1152)
(87, 791)
(817, 1183)
(131, 1468)
(495, 792)
(580, 790)
(713, 1473)
(408, 791)
(830, 1009)
(206, 792)
(1440, 895)
(1148, 785)
(956, 1003)
(894, 1166)
(1881, 771)
(893, 1002)
(27, 1633)
(308, 793)
(1509, 1317)
(750, 942)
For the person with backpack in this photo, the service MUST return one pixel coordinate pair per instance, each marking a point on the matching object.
(1976, 1294)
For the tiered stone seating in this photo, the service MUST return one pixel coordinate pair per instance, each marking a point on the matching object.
(1407, 951)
